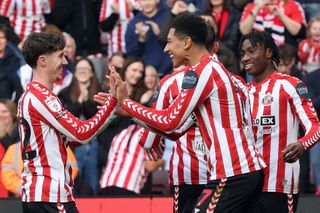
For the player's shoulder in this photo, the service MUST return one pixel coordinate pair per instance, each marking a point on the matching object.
(175, 75)
(293, 84)
(284, 78)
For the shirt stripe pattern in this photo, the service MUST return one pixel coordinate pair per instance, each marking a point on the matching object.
(26, 16)
(125, 166)
(45, 129)
(266, 21)
(279, 105)
(210, 93)
(188, 162)
(116, 42)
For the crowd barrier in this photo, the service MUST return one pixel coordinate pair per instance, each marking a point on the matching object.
(307, 204)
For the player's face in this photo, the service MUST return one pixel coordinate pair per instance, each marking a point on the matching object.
(55, 63)
(315, 31)
(253, 58)
(175, 48)
(5, 115)
(83, 71)
(134, 73)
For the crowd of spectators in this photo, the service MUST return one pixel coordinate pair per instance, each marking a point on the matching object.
(130, 35)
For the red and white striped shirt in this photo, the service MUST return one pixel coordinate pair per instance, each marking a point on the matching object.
(116, 42)
(188, 162)
(26, 16)
(45, 129)
(125, 166)
(209, 92)
(278, 105)
(309, 54)
(267, 21)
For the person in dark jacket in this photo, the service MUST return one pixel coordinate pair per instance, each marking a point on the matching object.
(227, 19)
(78, 99)
(80, 18)
(9, 65)
(142, 37)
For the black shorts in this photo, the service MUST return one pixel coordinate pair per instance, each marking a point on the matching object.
(231, 195)
(43, 207)
(185, 197)
(272, 202)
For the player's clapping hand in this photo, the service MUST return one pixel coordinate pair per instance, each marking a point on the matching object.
(292, 152)
(119, 86)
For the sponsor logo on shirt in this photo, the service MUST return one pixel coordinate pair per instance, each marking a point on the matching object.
(53, 104)
(190, 80)
(267, 100)
(266, 131)
(269, 120)
(302, 90)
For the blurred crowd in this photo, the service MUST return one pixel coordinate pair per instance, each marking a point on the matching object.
(131, 35)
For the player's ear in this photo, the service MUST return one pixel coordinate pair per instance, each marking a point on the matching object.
(42, 61)
(187, 42)
(269, 53)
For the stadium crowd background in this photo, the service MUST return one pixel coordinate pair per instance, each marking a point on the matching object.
(131, 35)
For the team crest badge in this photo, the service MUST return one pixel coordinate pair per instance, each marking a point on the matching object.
(267, 100)
(53, 104)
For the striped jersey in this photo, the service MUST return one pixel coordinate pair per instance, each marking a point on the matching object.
(188, 161)
(125, 166)
(208, 91)
(26, 16)
(45, 129)
(278, 105)
(116, 42)
(309, 54)
(267, 21)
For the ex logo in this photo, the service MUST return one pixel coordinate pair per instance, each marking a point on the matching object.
(265, 121)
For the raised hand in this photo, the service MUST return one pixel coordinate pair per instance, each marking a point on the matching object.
(119, 86)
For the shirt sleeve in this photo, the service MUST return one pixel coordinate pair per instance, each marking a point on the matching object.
(197, 85)
(302, 107)
(49, 109)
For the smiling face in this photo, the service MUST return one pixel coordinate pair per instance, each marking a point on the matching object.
(83, 71)
(151, 78)
(315, 31)
(256, 60)
(134, 73)
(175, 47)
(55, 62)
